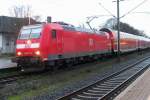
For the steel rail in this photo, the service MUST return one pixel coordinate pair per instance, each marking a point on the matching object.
(10, 78)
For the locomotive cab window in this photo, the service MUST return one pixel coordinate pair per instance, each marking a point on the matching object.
(54, 34)
(35, 32)
(30, 33)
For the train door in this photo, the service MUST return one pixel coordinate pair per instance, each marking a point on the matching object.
(56, 41)
(53, 47)
(109, 42)
(112, 38)
(59, 42)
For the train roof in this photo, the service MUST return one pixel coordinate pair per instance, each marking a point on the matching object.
(32, 26)
(70, 27)
(66, 26)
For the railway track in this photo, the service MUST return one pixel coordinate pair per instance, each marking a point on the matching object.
(18, 75)
(11, 78)
(110, 86)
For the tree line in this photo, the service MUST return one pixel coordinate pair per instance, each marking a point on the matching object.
(124, 27)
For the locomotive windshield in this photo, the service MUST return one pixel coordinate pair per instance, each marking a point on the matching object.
(30, 33)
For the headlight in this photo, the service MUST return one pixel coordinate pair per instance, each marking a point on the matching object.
(19, 53)
(37, 53)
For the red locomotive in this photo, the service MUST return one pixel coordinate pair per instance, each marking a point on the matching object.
(53, 43)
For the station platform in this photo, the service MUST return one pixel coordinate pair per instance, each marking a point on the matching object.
(138, 90)
(6, 63)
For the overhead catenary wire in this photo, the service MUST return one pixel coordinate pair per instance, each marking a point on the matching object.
(96, 16)
(125, 13)
(89, 19)
(107, 10)
(143, 12)
(133, 8)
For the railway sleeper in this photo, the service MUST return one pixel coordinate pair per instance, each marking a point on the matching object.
(93, 94)
(96, 91)
(114, 79)
(107, 82)
(104, 86)
(102, 89)
(124, 76)
(110, 81)
(78, 98)
(75, 99)
(88, 97)
(118, 78)
(107, 85)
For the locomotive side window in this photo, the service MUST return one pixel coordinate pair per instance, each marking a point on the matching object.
(54, 34)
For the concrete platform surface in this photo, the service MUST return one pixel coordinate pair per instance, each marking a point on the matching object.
(138, 90)
(6, 63)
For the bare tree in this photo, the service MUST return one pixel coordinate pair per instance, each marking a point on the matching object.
(21, 11)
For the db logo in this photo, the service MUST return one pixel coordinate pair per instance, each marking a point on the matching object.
(91, 42)
(27, 46)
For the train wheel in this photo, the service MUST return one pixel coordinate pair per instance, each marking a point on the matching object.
(56, 66)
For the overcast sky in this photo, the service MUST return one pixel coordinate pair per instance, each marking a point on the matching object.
(76, 11)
